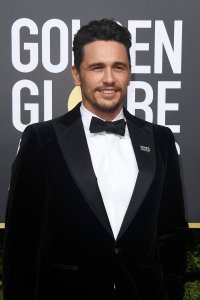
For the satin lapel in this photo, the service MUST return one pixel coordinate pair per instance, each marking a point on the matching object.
(75, 150)
(142, 140)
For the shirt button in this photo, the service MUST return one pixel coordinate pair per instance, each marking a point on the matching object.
(116, 250)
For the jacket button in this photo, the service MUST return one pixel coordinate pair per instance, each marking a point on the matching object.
(116, 250)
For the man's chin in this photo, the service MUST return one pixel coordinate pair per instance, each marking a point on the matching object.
(108, 107)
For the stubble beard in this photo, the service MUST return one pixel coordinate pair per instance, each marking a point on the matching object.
(106, 107)
(102, 105)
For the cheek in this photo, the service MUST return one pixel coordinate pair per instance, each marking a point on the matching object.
(87, 88)
(90, 84)
(123, 80)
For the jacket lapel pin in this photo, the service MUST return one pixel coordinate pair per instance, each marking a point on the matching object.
(144, 148)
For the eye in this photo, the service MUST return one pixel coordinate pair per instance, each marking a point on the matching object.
(96, 68)
(120, 68)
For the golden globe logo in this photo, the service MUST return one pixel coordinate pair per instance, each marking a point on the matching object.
(74, 98)
(35, 50)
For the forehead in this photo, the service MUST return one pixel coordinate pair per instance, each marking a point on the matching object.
(104, 51)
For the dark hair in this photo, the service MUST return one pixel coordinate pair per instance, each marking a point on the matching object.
(105, 30)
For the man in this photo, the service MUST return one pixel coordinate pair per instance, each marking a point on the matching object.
(95, 207)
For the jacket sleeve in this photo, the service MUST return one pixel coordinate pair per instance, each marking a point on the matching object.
(172, 226)
(23, 223)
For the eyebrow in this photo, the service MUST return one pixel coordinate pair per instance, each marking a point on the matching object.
(120, 63)
(101, 64)
(96, 65)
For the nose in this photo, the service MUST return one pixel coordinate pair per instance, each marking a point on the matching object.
(108, 76)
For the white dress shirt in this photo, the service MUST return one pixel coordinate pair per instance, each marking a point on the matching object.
(115, 167)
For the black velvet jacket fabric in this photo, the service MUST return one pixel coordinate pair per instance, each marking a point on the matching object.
(58, 241)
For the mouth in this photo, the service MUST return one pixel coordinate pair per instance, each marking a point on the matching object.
(108, 93)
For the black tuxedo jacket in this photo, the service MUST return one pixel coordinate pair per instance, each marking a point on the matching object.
(59, 243)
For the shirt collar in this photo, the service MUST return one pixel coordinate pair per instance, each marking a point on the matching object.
(87, 115)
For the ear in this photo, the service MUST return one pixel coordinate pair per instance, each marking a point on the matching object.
(75, 75)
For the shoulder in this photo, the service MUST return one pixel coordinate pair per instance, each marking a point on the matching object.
(46, 128)
(162, 135)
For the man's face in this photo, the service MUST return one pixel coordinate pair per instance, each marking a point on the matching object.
(103, 76)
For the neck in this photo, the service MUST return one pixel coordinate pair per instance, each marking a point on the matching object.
(107, 116)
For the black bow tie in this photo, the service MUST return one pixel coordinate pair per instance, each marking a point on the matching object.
(117, 127)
